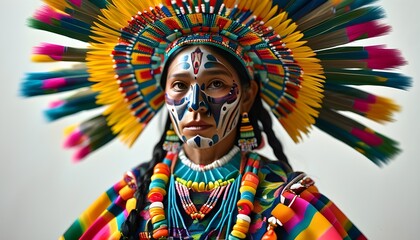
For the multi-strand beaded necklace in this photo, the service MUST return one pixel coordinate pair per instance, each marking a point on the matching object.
(223, 179)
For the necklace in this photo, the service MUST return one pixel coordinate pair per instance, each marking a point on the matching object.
(189, 206)
(200, 178)
(246, 184)
(218, 163)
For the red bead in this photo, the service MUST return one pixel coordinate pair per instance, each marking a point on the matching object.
(256, 164)
(244, 209)
(250, 162)
(171, 156)
(155, 197)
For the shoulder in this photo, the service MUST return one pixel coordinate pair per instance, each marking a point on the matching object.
(273, 170)
(272, 175)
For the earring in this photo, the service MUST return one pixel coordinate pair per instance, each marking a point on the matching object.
(172, 143)
(247, 140)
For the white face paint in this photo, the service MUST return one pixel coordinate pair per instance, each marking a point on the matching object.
(202, 96)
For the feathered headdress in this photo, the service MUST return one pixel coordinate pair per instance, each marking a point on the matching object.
(298, 49)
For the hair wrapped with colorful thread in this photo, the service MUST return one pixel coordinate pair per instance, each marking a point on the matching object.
(308, 73)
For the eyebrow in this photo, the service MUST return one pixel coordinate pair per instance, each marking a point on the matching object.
(222, 69)
(218, 72)
(180, 75)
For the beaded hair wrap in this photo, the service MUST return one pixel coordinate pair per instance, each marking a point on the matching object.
(172, 142)
(297, 50)
(247, 140)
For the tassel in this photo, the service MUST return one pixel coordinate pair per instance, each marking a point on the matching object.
(172, 142)
(247, 141)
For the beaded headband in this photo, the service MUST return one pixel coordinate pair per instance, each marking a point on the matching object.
(297, 49)
(216, 40)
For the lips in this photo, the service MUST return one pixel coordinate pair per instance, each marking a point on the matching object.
(197, 126)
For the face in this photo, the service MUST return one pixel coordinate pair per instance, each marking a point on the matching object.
(203, 96)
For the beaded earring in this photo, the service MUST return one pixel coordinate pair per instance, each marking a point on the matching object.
(172, 142)
(247, 140)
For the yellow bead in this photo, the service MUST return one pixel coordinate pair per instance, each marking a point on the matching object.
(156, 212)
(158, 218)
(194, 186)
(240, 228)
(248, 188)
(242, 222)
(164, 177)
(189, 183)
(131, 204)
(210, 185)
(182, 181)
(238, 234)
(202, 186)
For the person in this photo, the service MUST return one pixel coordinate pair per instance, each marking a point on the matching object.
(219, 68)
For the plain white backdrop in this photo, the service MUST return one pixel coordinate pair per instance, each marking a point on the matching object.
(42, 192)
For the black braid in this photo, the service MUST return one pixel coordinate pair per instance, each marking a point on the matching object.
(130, 225)
(258, 114)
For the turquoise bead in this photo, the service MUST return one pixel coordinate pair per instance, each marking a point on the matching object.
(167, 161)
(157, 184)
(247, 195)
(160, 223)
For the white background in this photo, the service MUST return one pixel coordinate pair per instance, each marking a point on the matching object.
(42, 192)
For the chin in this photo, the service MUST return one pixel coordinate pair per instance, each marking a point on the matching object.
(201, 142)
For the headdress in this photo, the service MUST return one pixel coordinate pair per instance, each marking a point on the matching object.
(297, 50)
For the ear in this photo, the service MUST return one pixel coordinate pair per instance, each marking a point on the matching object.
(249, 96)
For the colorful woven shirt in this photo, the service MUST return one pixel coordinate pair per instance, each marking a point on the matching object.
(310, 215)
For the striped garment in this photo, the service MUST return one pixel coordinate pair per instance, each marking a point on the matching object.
(310, 216)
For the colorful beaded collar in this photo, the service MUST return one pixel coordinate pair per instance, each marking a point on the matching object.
(246, 182)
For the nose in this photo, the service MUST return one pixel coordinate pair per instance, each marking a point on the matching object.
(197, 101)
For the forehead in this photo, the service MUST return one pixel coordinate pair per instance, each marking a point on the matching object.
(203, 53)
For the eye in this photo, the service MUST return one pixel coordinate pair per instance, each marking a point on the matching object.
(216, 84)
(179, 86)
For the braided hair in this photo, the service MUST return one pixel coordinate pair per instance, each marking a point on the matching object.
(258, 115)
(130, 225)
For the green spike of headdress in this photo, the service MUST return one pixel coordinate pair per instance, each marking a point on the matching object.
(296, 49)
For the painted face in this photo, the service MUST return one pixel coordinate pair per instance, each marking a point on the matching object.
(202, 96)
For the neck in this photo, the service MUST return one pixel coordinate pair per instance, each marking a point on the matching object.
(206, 156)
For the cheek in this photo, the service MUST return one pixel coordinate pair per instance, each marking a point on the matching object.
(225, 109)
(174, 118)
(176, 108)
